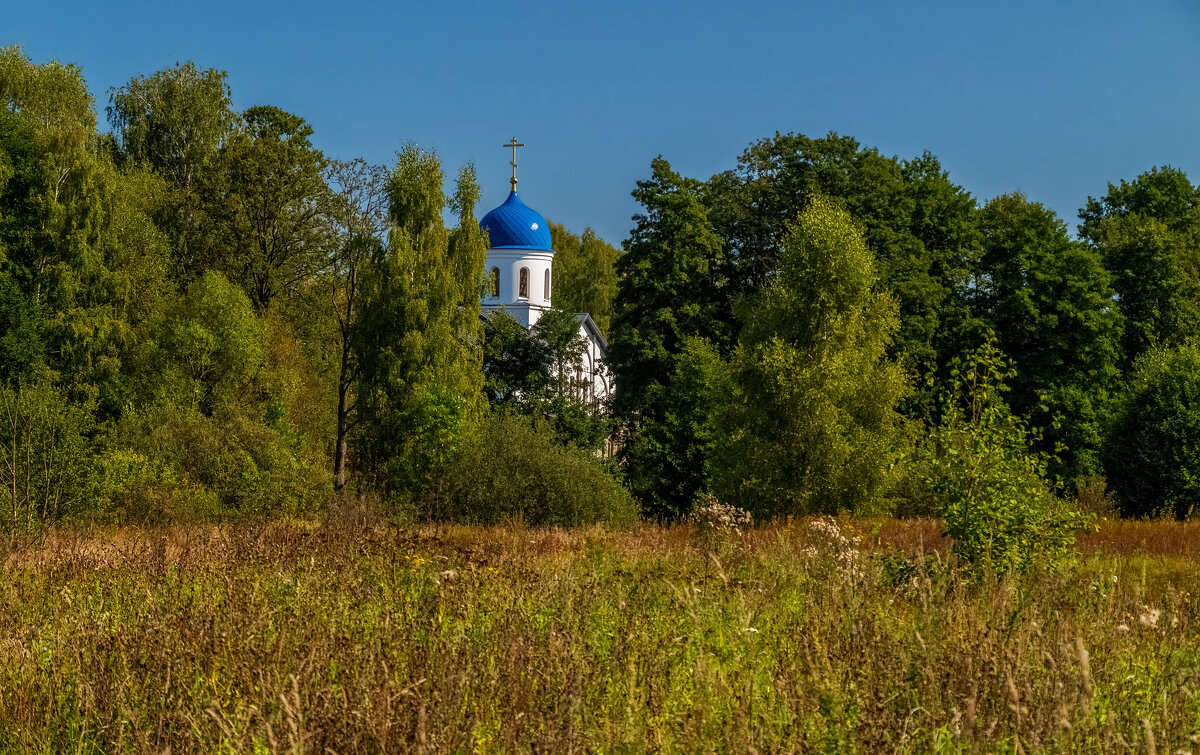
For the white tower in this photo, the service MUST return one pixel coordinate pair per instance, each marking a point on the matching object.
(519, 258)
(519, 267)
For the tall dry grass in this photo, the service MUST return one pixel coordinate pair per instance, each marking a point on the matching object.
(363, 637)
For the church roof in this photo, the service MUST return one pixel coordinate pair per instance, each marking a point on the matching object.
(514, 225)
(593, 330)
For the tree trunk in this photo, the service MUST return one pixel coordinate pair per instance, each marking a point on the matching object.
(343, 421)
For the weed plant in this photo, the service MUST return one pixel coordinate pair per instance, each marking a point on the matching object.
(359, 636)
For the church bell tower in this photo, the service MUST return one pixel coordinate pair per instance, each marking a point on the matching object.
(519, 257)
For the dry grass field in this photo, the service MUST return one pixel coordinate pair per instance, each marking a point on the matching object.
(360, 636)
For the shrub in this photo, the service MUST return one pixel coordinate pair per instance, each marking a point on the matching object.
(517, 468)
(1152, 454)
(249, 466)
(47, 472)
(991, 488)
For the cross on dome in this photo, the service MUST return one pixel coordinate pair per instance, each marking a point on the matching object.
(513, 144)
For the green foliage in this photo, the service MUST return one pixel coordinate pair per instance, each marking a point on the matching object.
(1050, 302)
(1148, 231)
(666, 459)
(268, 204)
(22, 350)
(668, 292)
(228, 463)
(359, 211)
(918, 223)
(585, 274)
(1152, 455)
(515, 468)
(46, 463)
(811, 423)
(534, 373)
(210, 346)
(173, 120)
(417, 340)
(990, 486)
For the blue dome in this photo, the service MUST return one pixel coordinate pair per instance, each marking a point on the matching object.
(513, 225)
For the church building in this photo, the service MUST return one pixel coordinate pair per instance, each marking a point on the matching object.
(520, 269)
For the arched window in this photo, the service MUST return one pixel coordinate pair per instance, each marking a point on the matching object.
(494, 281)
(547, 296)
(523, 291)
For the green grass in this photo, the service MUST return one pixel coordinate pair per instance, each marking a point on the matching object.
(293, 637)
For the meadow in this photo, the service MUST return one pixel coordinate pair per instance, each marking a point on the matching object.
(360, 635)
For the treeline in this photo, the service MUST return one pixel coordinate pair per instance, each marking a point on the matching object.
(203, 315)
(824, 328)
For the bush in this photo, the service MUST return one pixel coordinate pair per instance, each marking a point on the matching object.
(990, 487)
(1152, 454)
(247, 465)
(517, 468)
(48, 473)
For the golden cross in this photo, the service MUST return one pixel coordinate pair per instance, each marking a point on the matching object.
(514, 146)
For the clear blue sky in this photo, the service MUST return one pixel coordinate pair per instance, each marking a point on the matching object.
(1051, 97)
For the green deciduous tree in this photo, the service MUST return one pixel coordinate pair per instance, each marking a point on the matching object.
(668, 292)
(174, 123)
(269, 205)
(1050, 301)
(811, 424)
(917, 222)
(210, 346)
(1152, 455)
(46, 462)
(418, 338)
(516, 468)
(1148, 232)
(67, 213)
(533, 373)
(585, 274)
(990, 486)
(174, 120)
(359, 213)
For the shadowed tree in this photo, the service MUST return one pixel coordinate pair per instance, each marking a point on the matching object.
(669, 291)
(1148, 233)
(1050, 301)
(918, 224)
(360, 221)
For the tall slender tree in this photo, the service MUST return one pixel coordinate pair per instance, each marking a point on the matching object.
(418, 338)
(360, 221)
